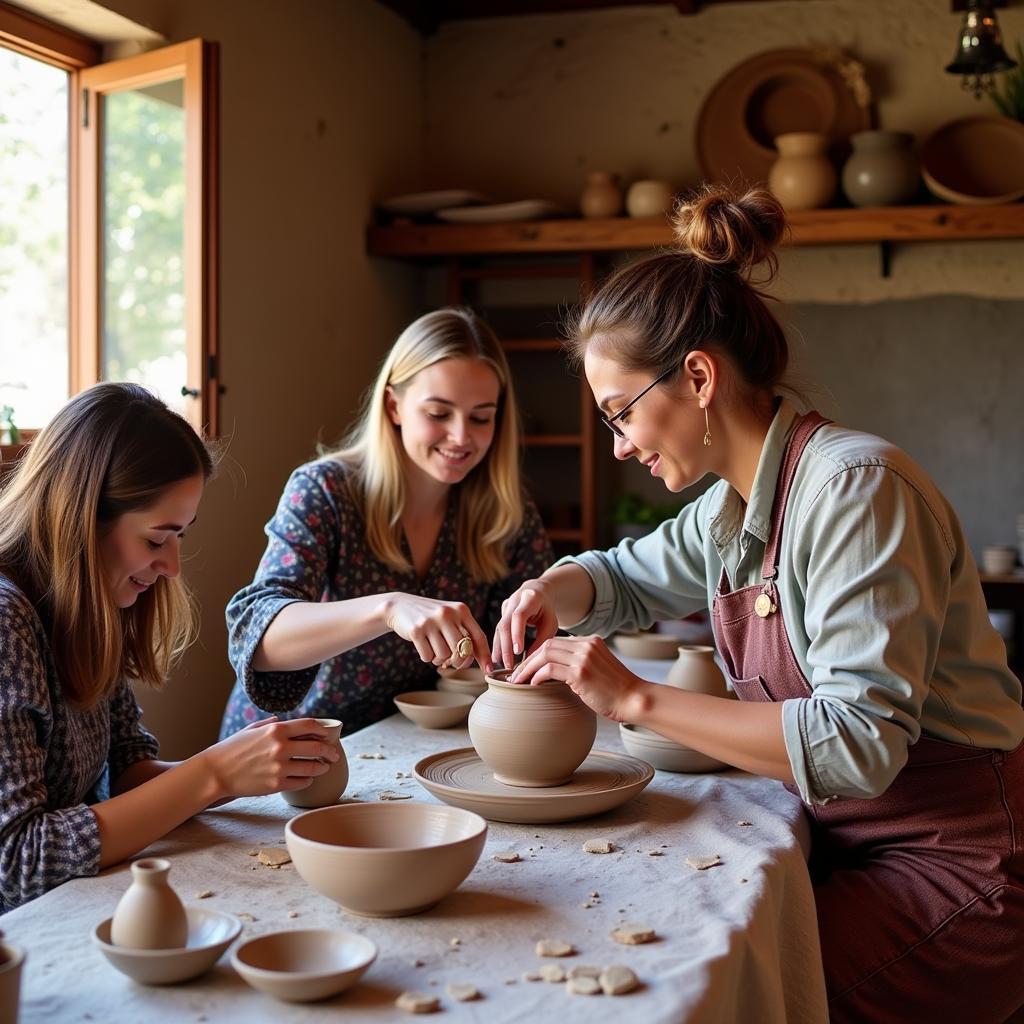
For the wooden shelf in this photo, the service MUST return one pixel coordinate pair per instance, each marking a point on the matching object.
(564, 534)
(532, 344)
(552, 440)
(810, 227)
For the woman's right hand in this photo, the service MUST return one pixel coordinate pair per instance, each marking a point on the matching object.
(532, 605)
(264, 757)
(435, 628)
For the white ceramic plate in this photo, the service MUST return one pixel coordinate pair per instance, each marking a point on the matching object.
(604, 781)
(417, 203)
(524, 209)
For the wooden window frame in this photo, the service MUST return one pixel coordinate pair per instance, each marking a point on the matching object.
(89, 79)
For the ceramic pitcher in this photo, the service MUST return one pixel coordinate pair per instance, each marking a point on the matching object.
(149, 914)
(802, 177)
(531, 735)
(696, 670)
(327, 788)
(883, 170)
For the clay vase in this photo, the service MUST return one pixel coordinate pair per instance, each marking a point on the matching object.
(802, 177)
(695, 670)
(649, 199)
(883, 170)
(150, 915)
(531, 735)
(11, 959)
(327, 788)
(602, 196)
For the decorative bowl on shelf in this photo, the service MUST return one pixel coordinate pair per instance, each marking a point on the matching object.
(976, 161)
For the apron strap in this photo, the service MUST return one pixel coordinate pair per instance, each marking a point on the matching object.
(805, 427)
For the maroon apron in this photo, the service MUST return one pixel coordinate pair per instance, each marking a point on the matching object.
(919, 891)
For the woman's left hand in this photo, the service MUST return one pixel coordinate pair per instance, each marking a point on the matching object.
(591, 671)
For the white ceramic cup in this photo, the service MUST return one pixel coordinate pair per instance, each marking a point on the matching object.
(999, 559)
(11, 959)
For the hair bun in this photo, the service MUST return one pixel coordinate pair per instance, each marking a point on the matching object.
(731, 230)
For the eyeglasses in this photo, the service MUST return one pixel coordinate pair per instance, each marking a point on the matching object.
(609, 421)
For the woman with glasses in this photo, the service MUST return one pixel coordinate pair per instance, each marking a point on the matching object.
(385, 556)
(847, 610)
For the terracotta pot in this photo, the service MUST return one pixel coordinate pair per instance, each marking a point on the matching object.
(602, 196)
(695, 670)
(150, 915)
(883, 170)
(531, 735)
(649, 199)
(324, 789)
(802, 177)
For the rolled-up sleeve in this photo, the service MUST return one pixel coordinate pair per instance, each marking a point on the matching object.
(661, 576)
(39, 848)
(876, 562)
(303, 544)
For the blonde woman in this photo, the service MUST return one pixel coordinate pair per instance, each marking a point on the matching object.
(391, 555)
(91, 526)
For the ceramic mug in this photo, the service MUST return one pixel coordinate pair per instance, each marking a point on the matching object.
(999, 559)
(11, 959)
(327, 788)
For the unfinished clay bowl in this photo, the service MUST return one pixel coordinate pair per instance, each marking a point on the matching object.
(432, 710)
(385, 859)
(531, 735)
(304, 965)
(469, 681)
(646, 645)
(327, 788)
(665, 754)
(210, 932)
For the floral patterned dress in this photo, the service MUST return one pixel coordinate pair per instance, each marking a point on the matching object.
(317, 551)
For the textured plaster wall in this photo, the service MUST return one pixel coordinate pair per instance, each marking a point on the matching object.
(320, 114)
(524, 107)
(931, 357)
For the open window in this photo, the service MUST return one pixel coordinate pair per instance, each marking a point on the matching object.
(107, 221)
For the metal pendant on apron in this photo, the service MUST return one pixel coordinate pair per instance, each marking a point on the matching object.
(765, 603)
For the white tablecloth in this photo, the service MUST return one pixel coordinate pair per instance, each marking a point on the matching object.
(737, 942)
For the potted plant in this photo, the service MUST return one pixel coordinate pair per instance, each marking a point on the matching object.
(634, 516)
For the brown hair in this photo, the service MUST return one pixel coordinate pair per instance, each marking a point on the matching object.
(112, 449)
(649, 314)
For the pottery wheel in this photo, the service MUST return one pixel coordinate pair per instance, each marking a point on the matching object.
(604, 780)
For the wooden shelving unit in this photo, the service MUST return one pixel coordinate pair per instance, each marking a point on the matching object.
(890, 224)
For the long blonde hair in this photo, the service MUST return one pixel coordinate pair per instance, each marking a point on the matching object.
(490, 502)
(112, 449)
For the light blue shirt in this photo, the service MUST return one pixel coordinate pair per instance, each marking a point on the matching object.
(880, 596)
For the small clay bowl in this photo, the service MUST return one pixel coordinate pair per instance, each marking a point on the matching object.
(385, 859)
(469, 681)
(659, 646)
(432, 710)
(304, 965)
(210, 932)
(665, 754)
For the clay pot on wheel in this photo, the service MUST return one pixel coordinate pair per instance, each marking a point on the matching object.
(531, 735)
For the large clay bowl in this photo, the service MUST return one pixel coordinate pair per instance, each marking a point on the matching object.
(646, 645)
(433, 710)
(385, 859)
(303, 965)
(665, 754)
(976, 161)
(210, 932)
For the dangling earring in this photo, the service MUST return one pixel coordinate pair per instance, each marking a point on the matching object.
(707, 425)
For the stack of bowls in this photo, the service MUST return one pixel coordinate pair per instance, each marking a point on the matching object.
(468, 681)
